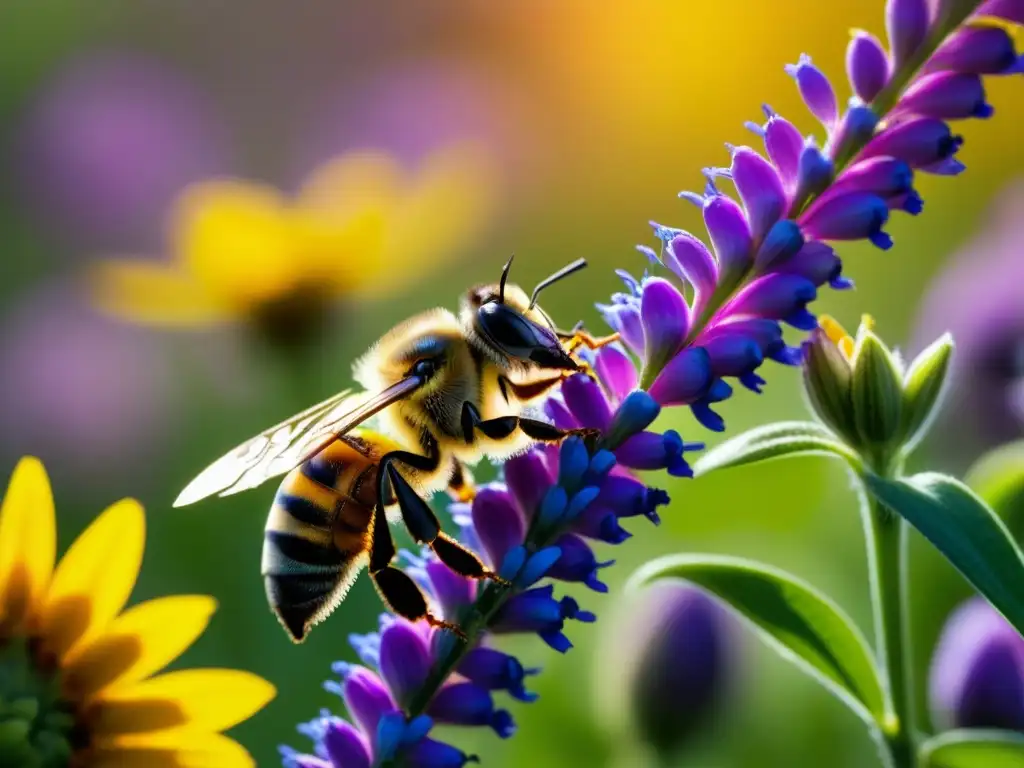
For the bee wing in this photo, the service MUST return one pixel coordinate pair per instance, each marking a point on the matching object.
(285, 446)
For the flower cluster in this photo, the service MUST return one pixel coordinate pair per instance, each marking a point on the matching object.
(767, 260)
(768, 256)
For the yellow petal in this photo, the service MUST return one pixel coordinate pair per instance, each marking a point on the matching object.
(206, 699)
(444, 209)
(94, 578)
(170, 749)
(341, 254)
(153, 294)
(28, 542)
(239, 240)
(141, 641)
(352, 182)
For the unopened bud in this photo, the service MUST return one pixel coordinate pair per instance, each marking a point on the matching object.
(922, 389)
(827, 381)
(877, 394)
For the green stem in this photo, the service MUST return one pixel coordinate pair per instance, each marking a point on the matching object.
(886, 533)
(491, 598)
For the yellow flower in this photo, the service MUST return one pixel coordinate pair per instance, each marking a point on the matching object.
(77, 684)
(360, 227)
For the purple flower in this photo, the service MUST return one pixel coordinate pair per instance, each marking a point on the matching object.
(987, 50)
(977, 674)
(906, 22)
(946, 95)
(977, 298)
(110, 142)
(867, 65)
(74, 379)
(675, 662)
(816, 91)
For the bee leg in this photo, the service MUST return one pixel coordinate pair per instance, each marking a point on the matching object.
(526, 391)
(463, 561)
(578, 337)
(398, 591)
(461, 486)
(503, 426)
(424, 527)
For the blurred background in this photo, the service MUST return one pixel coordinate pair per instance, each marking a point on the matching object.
(551, 130)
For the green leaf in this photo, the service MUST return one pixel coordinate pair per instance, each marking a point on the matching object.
(799, 622)
(965, 530)
(775, 441)
(998, 478)
(974, 749)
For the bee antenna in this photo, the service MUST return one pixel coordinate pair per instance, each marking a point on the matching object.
(504, 279)
(565, 271)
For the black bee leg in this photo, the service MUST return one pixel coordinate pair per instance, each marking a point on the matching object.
(424, 527)
(427, 463)
(525, 392)
(396, 589)
(504, 426)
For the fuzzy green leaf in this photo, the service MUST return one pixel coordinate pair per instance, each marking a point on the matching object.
(799, 622)
(965, 530)
(775, 441)
(974, 749)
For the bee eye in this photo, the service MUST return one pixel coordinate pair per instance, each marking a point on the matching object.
(424, 368)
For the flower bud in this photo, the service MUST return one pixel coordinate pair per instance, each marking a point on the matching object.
(877, 393)
(665, 665)
(827, 380)
(922, 388)
(977, 674)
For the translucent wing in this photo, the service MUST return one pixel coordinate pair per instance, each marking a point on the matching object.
(286, 445)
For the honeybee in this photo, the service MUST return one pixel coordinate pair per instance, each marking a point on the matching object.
(445, 390)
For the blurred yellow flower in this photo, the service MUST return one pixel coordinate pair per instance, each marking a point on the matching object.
(76, 684)
(360, 227)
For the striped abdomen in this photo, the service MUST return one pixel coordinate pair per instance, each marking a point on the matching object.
(318, 533)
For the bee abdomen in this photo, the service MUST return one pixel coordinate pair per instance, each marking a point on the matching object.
(305, 511)
(314, 544)
(291, 552)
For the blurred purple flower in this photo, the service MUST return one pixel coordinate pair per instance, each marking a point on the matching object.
(80, 391)
(977, 674)
(674, 661)
(979, 298)
(409, 112)
(109, 143)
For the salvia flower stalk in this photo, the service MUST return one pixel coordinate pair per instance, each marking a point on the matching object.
(715, 313)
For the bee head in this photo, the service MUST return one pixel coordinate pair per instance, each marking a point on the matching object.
(511, 325)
